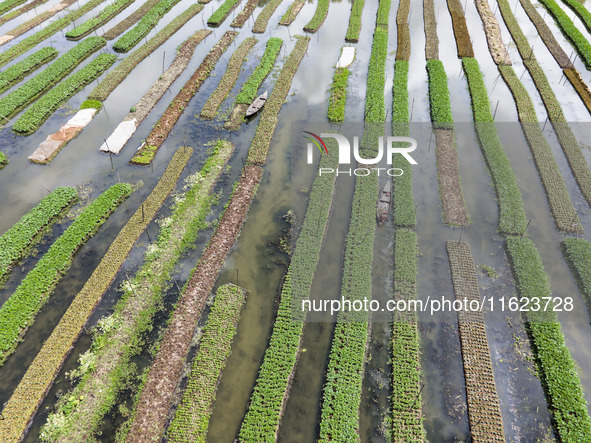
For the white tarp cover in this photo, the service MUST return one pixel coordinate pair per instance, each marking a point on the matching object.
(347, 57)
(119, 137)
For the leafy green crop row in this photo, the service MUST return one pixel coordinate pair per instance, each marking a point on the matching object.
(292, 12)
(117, 75)
(577, 252)
(249, 91)
(406, 402)
(581, 11)
(102, 370)
(227, 82)
(191, 419)
(338, 95)
(37, 20)
(570, 31)
(558, 370)
(375, 108)
(7, 5)
(512, 218)
(130, 20)
(20, 11)
(21, 97)
(318, 17)
(354, 27)
(276, 373)
(439, 101)
(19, 311)
(260, 25)
(105, 15)
(15, 73)
(222, 12)
(3, 160)
(145, 25)
(40, 111)
(257, 154)
(15, 242)
(563, 211)
(41, 373)
(46, 32)
(568, 141)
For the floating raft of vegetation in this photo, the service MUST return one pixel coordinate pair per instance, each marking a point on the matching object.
(354, 27)
(103, 17)
(15, 73)
(318, 17)
(245, 14)
(260, 25)
(130, 20)
(292, 12)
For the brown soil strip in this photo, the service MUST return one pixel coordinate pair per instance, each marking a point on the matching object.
(461, 33)
(403, 49)
(580, 86)
(450, 188)
(27, 26)
(156, 397)
(546, 34)
(245, 14)
(9, 16)
(164, 126)
(129, 21)
(431, 39)
(492, 30)
(292, 12)
(484, 412)
(236, 117)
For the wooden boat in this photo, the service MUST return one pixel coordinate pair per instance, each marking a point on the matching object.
(383, 205)
(256, 105)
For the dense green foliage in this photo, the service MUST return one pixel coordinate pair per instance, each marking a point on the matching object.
(512, 218)
(578, 254)
(7, 5)
(439, 101)
(91, 104)
(15, 242)
(191, 419)
(46, 32)
(40, 111)
(354, 27)
(318, 17)
(18, 312)
(117, 75)
(581, 11)
(3, 160)
(21, 97)
(264, 413)
(260, 25)
(15, 73)
(249, 91)
(338, 95)
(570, 31)
(558, 370)
(222, 12)
(375, 108)
(105, 15)
(145, 25)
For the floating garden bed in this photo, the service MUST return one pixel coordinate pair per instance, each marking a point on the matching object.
(354, 27)
(462, 36)
(492, 30)
(130, 20)
(292, 12)
(15, 73)
(338, 95)
(431, 39)
(20, 11)
(577, 252)
(105, 15)
(221, 13)
(35, 21)
(3, 160)
(245, 14)
(260, 25)
(318, 17)
(403, 30)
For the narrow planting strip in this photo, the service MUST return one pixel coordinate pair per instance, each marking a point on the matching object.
(46, 32)
(147, 151)
(132, 37)
(484, 411)
(250, 88)
(112, 350)
(462, 36)
(318, 17)
(20, 310)
(580, 86)
(41, 373)
(210, 108)
(577, 252)
(431, 38)
(338, 95)
(7, 5)
(257, 154)
(558, 371)
(245, 14)
(30, 229)
(439, 101)
(292, 12)
(561, 206)
(140, 111)
(130, 20)
(354, 27)
(191, 419)
(155, 399)
(20, 98)
(276, 374)
(582, 12)
(15, 73)
(512, 218)
(570, 31)
(260, 25)
(40, 111)
(403, 30)
(117, 75)
(222, 12)
(566, 138)
(103, 17)
(492, 30)
(20, 11)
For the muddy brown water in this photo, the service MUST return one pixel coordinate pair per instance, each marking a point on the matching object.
(251, 263)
